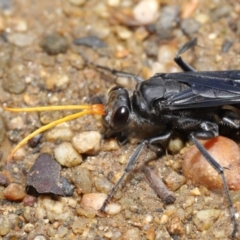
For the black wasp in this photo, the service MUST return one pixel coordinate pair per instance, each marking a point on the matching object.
(190, 102)
(198, 104)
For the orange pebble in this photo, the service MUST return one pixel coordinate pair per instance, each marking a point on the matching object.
(226, 152)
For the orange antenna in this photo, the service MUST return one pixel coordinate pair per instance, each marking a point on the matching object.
(96, 109)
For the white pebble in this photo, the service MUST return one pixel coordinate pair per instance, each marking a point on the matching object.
(66, 155)
(28, 227)
(95, 201)
(54, 210)
(110, 145)
(21, 39)
(20, 25)
(113, 209)
(113, 3)
(175, 145)
(16, 123)
(123, 33)
(77, 2)
(146, 11)
(87, 142)
(64, 134)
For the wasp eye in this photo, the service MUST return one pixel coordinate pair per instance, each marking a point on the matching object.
(120, 117)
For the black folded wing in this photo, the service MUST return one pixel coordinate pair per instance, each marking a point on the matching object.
(207, 89)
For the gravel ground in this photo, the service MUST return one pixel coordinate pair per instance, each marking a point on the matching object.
(40, 65)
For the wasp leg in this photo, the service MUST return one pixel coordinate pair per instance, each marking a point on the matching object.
(178, 59)
(230, 118)
(165, 135)
(220, 171)
(112, 71)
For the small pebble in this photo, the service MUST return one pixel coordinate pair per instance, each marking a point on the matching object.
(123, 33)
(13, 83)
(132, 234)
(81, 178)
(62, 231)
(204, 219)
(151, 234)
(195, 192)
(221, 12)
(29, 200)
(16, 123)
(95, 201)
(6, 4)
(29, 214)
(14, 192)
(28, 227)
(87, 142)
(189, 26)
(67, 187)
(40, 237)
(110, 145)
(175, 226)
(189, 8)
(89, 213)
(20, 25)
(113, 3)
(79, 225)
(189, 201)
(146, 11)
(5, 225)
(66, 155)
(202, 18)
(54, 44)
(167, 21)
(174, 181)
(59, 133)
(77, 2)
(77, 61)
(103, 185)
(21, 39)
(52, 209)
(57, 82)
(175, 145)
(226, 152)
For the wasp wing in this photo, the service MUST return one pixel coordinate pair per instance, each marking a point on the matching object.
(206, 89)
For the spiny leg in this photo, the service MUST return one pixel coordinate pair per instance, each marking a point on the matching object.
(165, 136)
(220, 171)
(131, 162)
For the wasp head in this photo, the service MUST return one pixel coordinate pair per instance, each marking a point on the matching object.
(118, 109)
